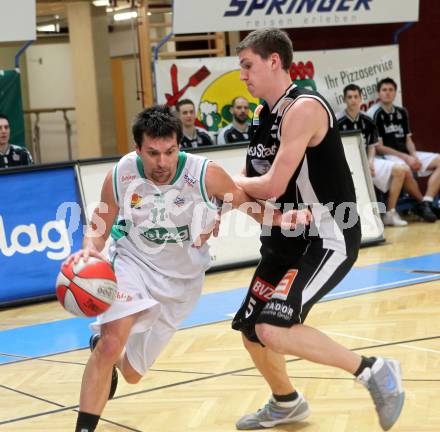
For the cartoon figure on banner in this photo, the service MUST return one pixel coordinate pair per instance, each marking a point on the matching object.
(303, 73)
(209, 116)
(193, 81)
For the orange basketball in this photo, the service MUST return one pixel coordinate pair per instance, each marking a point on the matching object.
(87, 288)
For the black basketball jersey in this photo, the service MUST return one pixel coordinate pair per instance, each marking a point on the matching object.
(230, 134)
(362, 123)
(15, 156)
(393, 127)
(322, 180)
(200, 139)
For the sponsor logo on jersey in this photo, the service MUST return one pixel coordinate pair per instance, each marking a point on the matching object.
(262, 289)
(136, 201)
(279, 310)
(127, 178)
(256, 118)
(179, 201)
(167, 235)
(248, 7)
(394, 129)
(123, 296)
(283, 288)
(261, 151)
(189, 179)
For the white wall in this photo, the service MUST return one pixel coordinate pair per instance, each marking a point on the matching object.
(51, 86)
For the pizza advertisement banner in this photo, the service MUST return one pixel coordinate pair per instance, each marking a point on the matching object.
(212, 83)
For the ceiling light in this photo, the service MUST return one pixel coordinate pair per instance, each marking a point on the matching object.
(101, 3)
(48, 28)
(123, 16)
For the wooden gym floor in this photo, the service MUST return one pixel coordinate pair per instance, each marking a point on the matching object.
(204, 380)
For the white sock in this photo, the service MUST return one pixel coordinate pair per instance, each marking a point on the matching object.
(428, 198)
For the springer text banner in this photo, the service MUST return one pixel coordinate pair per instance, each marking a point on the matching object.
(199, 16)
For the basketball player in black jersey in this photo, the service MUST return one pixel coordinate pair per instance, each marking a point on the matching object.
(397, 145)
(296, 157)
(237, 131)
(11, 155)
(193, 136)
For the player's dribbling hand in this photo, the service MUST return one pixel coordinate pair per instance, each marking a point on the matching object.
(84, 254)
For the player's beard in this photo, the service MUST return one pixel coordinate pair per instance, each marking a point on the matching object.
(240, 120)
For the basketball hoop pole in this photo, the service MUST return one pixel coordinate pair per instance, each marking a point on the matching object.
(21, 52)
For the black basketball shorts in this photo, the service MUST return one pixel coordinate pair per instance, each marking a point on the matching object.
(282, 292)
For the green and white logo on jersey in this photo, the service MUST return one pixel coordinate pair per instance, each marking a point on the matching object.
(167, 235)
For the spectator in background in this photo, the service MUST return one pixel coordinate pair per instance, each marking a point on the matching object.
(11, 155)
(387, 176)
(193, 136)
(237, 131)
(396, 144)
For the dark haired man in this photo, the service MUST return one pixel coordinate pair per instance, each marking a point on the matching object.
(396, 144)
(11, 155)
(237, 131)
(162, 202)
(296, 157)
(387, 176)
(193, 136)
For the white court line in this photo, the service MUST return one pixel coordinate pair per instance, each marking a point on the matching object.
(382, 342)
(378, 286)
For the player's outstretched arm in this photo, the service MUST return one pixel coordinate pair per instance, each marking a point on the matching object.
(220, 185)
(100, 225)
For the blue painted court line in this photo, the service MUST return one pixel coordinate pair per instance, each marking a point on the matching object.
(72, 334)
(426, 263)
(8, 359)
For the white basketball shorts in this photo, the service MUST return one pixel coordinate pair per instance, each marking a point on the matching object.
(164, 303)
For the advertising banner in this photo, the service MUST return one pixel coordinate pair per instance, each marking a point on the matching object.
(40, 225)
(212, 83)
(18, 20)
(199, 16)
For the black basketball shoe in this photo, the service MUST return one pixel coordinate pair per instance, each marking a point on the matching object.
(114, 384)
(424, 210)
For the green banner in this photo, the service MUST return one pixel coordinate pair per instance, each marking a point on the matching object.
(11, 104)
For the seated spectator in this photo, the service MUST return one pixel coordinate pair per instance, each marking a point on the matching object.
(237, 131)
(387, 176)
(193, 136)
(11, 155)
(396, 144)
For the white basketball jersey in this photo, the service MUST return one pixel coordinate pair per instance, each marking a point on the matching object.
(157, 225)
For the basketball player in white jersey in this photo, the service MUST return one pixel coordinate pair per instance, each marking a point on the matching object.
(162, 201)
